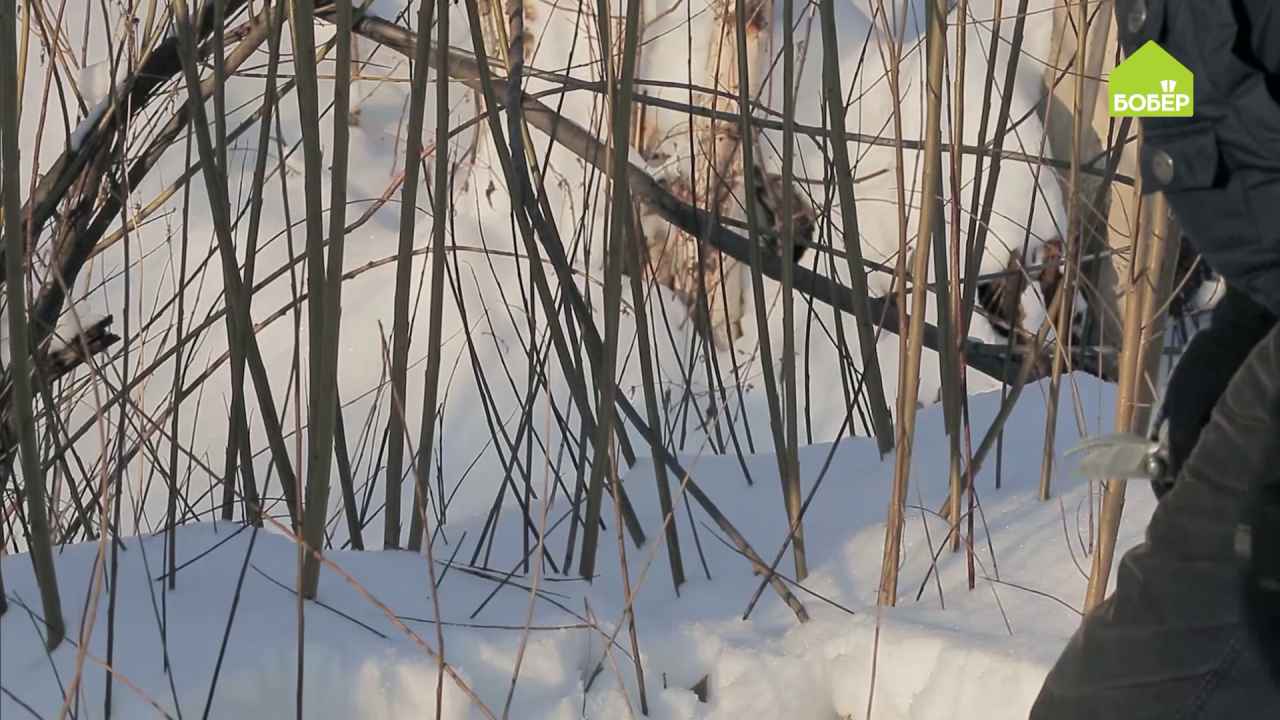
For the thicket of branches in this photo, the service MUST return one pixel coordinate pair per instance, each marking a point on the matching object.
(84, 453)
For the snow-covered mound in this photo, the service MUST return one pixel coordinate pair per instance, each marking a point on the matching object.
(954, 653)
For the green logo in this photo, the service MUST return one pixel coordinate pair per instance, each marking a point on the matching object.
(1151, 83)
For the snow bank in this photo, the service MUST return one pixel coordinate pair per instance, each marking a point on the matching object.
(955, 653)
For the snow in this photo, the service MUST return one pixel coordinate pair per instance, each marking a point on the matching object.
(967, 655)
(96, 80)
(87, 125)
(71, 325)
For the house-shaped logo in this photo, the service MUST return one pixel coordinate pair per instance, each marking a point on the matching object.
(1151, 83)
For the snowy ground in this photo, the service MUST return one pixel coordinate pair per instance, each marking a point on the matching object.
(954, 653)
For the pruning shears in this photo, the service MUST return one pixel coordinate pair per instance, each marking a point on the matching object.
(1123, 456)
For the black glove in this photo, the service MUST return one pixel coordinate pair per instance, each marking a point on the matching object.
(1207, 365)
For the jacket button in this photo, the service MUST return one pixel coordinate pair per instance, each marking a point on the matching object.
(1137, 16)
(1161, 165)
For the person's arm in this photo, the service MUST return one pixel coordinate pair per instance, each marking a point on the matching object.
(1259, 22)
(1237, 324)
(1220, 168)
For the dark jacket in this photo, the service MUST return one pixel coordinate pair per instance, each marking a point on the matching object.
(1188, 633)
(1219, 169)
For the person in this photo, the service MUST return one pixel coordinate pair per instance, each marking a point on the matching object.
(1192, 629)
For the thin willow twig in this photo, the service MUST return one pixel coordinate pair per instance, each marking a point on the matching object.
(931, 220)
(40, 540)
(881, 421)
(442, 212)
(404, 264)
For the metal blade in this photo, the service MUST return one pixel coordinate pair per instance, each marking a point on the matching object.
(1121, 455)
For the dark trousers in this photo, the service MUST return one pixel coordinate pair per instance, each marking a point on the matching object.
(1174, 641)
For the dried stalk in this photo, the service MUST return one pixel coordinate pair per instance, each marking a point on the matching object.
(649, 382)
(947, 296)
(832, 87)
(635, 268)
(1075, 238)
(955, 391)
(790, 452)
(404, 264)
(440, 205)
(931, 221)
(324, 282)
(40, 540)
(239, 441)
(980, 215)
(1143, 322)
(180, 340)
(751, 20)
(216, 184)
(620, 233)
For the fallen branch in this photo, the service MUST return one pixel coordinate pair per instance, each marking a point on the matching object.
(987, 358)
(98, 130)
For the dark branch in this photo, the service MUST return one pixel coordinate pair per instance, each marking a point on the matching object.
(990, 359)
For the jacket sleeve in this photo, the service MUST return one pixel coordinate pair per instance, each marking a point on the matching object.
(1259, 22)
(1206, 366)
(1219, 169)
(1191, 628)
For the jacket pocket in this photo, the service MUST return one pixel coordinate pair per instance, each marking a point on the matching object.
(1181, 157)
(1212, 203)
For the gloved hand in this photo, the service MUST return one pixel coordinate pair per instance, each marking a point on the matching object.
(1211, 359)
